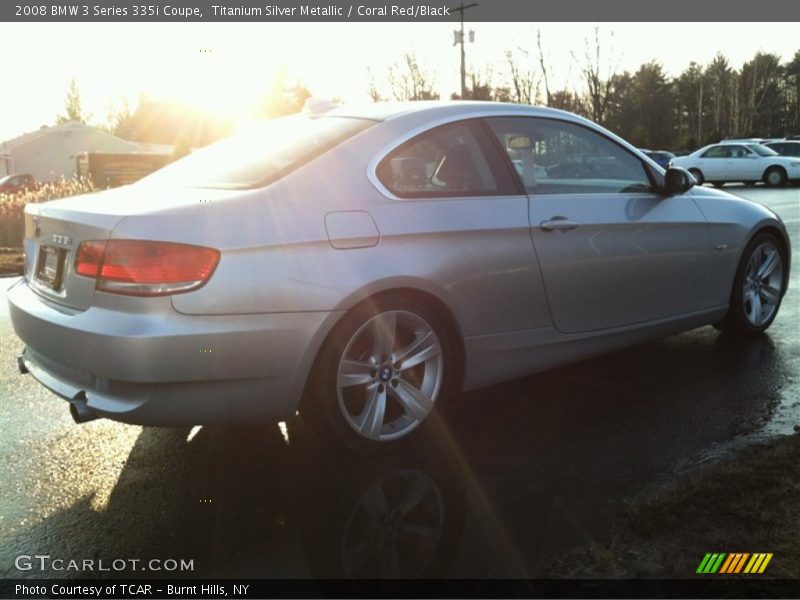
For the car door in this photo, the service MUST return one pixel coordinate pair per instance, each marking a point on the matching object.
(613, 252)
(742, 164)
(712, 163)
(460, 219)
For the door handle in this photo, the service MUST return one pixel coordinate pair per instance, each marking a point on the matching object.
(558, 224)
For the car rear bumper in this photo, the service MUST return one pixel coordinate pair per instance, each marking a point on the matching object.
(165, 368)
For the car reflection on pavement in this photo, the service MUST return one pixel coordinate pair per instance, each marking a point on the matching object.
(487, 497)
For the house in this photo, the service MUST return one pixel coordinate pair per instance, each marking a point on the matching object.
(50, 153)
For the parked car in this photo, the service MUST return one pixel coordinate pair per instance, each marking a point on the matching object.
(661, 157)
(785, 147)
(11, 184)
(728, 161)
(362, 266)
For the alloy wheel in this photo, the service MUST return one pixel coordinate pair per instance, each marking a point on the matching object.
(389, 375)
(763, 282)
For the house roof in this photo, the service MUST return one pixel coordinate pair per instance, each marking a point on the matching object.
(75, 127)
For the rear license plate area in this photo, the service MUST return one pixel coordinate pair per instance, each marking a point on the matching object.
(50, 267)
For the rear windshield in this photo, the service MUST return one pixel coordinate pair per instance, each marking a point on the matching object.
(762, 150)
(262, 154)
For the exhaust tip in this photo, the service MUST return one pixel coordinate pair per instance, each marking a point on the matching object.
(21, 364)
(80, 411)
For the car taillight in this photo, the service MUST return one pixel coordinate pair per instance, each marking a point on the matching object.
(145, 268)
(88, 258)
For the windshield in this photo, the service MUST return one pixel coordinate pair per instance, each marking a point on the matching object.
(262, 154)
(762, 150)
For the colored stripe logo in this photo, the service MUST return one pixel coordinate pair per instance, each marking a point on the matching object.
(734, 563)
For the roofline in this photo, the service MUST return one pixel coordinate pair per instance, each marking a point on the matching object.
(395, 110)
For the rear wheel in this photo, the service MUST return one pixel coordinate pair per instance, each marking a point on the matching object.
(775, 177)
(381, 375)
(758, 286)
(698, 176)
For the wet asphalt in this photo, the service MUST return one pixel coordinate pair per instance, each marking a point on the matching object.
(520, 473)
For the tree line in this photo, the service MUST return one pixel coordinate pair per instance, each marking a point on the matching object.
(701, 105)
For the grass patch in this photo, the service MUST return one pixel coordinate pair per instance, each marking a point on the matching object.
(749, 503)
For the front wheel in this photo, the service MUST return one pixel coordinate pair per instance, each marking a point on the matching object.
(698, 176)
(758, 286)
(381, 374)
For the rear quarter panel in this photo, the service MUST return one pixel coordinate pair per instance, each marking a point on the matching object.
(474, 254)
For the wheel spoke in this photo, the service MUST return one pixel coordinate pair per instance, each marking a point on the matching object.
(421, 349)
(414, 496)
(376, 503)
(414, 532)
(416, 403)
(752, 266)
(356, 557)
(390, 562)
(370, 421)
(755, 309)
(770, 294)
(384, 327)
(354, 372)
(768, 266)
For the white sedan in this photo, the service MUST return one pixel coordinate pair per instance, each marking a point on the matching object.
(725, 162)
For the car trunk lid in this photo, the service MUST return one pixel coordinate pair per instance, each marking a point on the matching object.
(54, 231)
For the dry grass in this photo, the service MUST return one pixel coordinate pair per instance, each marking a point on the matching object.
(750, 503)
(12, 206)
(11, 263)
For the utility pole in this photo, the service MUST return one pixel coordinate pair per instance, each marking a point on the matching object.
(460, 40)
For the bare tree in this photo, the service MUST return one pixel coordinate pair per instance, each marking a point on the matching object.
(522, 80)
(599, 84)
(409, 81)
(373, 91)
(543, 66)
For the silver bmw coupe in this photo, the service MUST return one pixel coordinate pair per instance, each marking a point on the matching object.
(361, 267)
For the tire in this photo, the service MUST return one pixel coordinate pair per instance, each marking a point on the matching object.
(385, 371)
(775, 177)
(698, 176)
(755, 300)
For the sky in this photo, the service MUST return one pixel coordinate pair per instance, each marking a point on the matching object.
(226, 67)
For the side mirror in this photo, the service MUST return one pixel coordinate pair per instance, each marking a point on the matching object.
(678, 181)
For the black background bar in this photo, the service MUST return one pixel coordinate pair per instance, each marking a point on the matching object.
(711, 586)
(405, 10)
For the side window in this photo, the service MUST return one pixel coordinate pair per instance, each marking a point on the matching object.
(737, 152)
(559, 157)
(715, 152)
(447, 161)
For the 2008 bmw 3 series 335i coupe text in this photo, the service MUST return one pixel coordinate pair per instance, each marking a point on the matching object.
(362, 266)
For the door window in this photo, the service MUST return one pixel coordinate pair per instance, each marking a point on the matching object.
(738, 152)
(715, 152)
(448, 161)
(551, 156)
